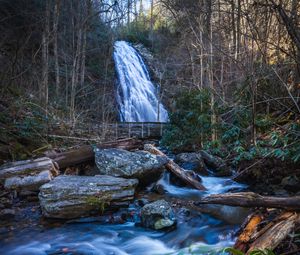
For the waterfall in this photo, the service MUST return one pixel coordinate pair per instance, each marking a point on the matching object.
(137, 97)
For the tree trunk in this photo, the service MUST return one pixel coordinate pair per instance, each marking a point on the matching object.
(28, 174)
(250, 199)
(75, 73)
(55, 45)
(175, 169)
(44, 97)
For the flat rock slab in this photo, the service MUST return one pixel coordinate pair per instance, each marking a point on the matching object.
(68, 197)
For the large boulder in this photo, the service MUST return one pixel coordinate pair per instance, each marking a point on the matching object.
(68, 197)
(191, 161)
(141, 165)
(216, 164)
(158, 215)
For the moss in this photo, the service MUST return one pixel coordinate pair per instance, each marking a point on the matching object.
(99, 202)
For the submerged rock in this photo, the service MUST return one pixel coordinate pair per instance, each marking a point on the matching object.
(158, 215)
(142, 165)
(192, 161)
(69, 197)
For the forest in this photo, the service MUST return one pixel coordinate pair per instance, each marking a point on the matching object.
(150, 127)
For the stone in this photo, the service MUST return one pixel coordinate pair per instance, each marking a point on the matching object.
(217, 165)
(192, 161)
(291, 183)
(141, 165)
(158, 215)
(6, 214)
(68, 197)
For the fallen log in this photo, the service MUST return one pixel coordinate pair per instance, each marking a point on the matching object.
(175, 169)
(28, 174)
(250, 199)
(86, 153)
(275, 233)
(250, 228)
(27, 167)
(31, 183)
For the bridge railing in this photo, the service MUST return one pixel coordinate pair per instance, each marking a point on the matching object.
(119, 130)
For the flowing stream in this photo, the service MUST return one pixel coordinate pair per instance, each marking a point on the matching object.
(196, 232)
(200, 230)
(137, 96)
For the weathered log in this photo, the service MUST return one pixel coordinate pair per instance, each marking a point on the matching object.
(250, 199)
(27, 167)
(28, 174)
(30, 182)
(175, 169)
(86, 153)
(276, 233)
(249, 229)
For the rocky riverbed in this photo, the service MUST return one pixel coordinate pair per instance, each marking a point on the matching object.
(115, 214)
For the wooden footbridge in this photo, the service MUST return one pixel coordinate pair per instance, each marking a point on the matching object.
(115, 131)
(141, 130)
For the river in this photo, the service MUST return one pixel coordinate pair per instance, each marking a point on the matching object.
(204, 231)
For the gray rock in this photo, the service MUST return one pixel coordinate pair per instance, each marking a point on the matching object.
(6, 214)
(191, 161)
(159, 188)
(216, 164)
(158, 215)
(69, 197)
(142, 165)
(291, 183)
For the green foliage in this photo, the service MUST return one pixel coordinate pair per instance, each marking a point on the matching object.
(255, 252)
(190, 123)
(190, 129)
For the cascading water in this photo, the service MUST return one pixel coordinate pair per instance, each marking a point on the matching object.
(137, 96)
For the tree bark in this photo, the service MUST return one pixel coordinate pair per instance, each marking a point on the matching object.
(276, 233)
(250, 199)
(45, 58)
(28, 174)
(55, 45)
(86, 153)
(27, 167)
(175, 169)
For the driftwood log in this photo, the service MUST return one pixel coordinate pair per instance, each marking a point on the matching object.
(28, 174)
(86, 153)
(250, 199)
(254, 237)
(175, 169)
(275, 232)
(248, 230)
